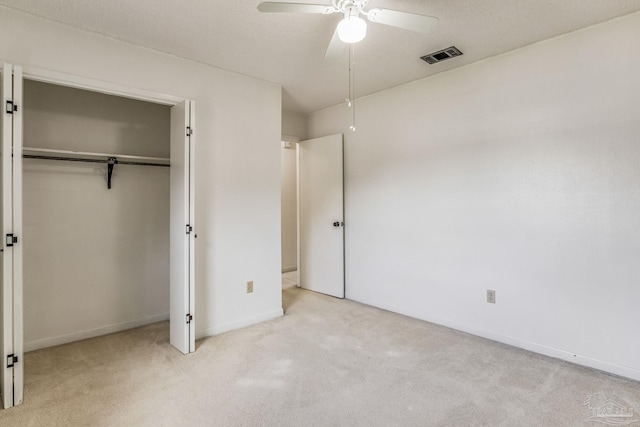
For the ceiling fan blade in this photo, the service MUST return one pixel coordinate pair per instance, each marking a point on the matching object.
(336, 47)
(277, 7)
(406, 20)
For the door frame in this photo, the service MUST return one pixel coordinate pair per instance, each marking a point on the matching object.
(94, 85)
(109, 88)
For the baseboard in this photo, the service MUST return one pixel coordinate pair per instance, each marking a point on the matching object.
(286, 270)
(91, 333)
(612, 368)
(226, 327)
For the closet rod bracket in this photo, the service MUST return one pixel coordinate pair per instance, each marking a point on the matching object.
(111, 162)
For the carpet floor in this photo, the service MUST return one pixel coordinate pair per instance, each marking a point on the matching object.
(327, 362)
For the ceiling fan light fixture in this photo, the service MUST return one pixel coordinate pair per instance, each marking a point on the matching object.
(352, 29)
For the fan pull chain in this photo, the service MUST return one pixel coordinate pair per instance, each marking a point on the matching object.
(348, 98)
(352, 86)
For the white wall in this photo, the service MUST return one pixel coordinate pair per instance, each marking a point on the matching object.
(90, 253)
(237, 162)
(294, 129)
(294, 126)
(519, 174)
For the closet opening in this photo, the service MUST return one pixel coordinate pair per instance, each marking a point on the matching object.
(96, 247)
(97, 214)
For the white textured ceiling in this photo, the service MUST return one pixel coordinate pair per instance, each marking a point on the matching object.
(289, 48)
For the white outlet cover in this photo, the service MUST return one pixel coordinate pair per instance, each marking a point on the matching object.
(491, 296)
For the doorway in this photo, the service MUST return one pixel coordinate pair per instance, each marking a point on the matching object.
(318, 224)
(289, 219)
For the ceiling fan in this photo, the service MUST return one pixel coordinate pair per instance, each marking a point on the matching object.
(353, 28)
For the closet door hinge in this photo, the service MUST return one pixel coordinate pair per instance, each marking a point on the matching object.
(11, 107)
(11, 360)
(189, 229)
(189, 131)
(11, 239)
(189, 319)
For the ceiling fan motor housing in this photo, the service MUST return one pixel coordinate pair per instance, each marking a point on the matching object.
(344, 5)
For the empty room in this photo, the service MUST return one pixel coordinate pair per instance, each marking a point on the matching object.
(329, 213)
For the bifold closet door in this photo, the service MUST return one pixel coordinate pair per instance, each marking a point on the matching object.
(182, 281)
(11, 369)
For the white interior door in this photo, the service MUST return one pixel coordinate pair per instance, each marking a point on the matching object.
(182, 249)
(321, 215)
(11, 365)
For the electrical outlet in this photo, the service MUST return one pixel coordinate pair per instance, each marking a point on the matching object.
(250, 286)
(491, 296)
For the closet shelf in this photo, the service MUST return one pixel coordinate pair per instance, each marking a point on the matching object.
(81, 156)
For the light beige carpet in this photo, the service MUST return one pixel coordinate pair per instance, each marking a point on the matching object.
(327, 362)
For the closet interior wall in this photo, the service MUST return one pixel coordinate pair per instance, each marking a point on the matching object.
(96, 260)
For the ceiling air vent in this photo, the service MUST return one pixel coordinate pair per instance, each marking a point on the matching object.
(441, 55)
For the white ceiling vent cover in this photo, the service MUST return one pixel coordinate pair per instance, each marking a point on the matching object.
(441, 55)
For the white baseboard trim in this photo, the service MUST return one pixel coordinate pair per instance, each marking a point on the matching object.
(286, 270)
(91, 333)
(612, 368)
(225, 327)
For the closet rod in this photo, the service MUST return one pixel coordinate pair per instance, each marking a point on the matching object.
(111, 162)
(78, 159)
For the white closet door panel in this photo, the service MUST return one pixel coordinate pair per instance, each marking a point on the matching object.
(192, 214)
(320, 215)
(18, 335)
(12, 378)
(6, 386)
(181, 327)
